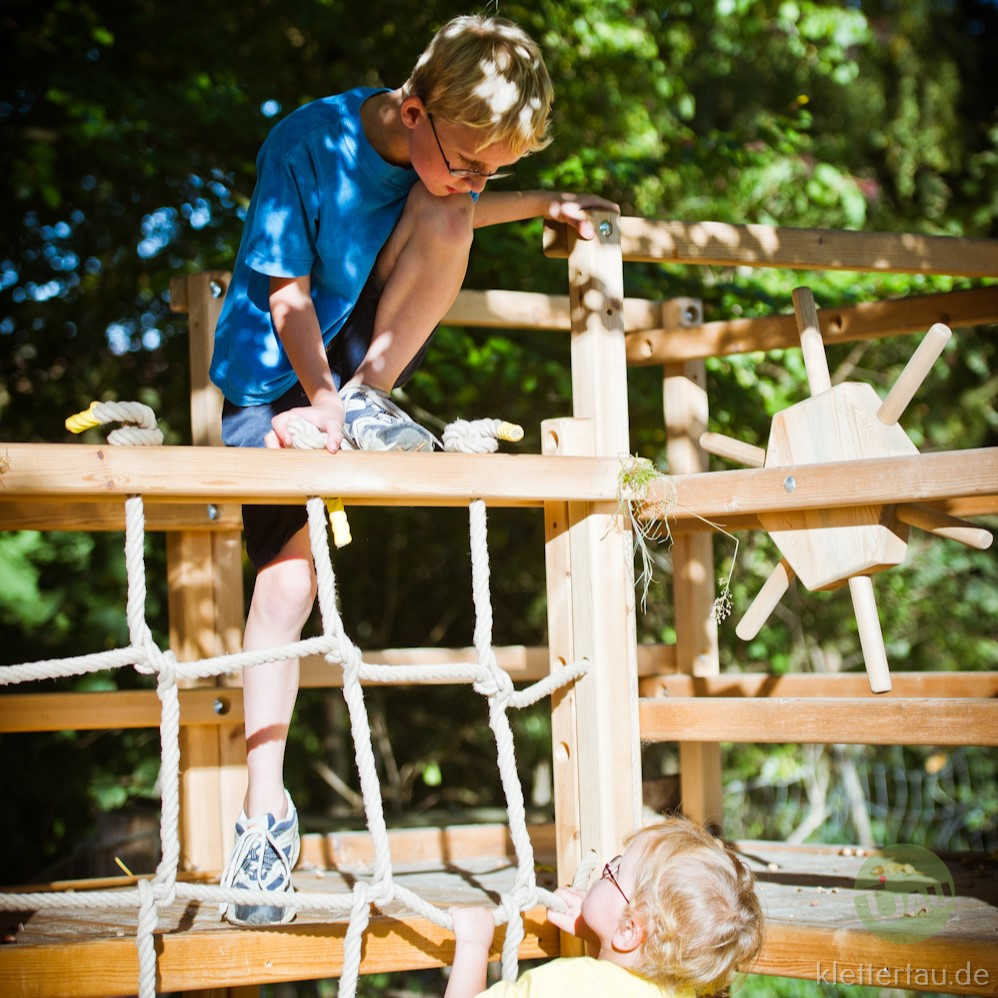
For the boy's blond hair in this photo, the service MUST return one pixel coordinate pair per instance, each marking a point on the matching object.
(697, 904)
(487, 73)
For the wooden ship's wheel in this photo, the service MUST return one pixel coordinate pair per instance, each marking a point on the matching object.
(826, 549)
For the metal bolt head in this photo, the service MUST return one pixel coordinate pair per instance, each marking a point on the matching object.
(790, 483)
(216, 288)
(220, 706)
(605, 228)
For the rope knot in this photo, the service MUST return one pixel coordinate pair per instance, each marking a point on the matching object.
(495, 684)
(381, 892)
(349, 658)
(479, 436)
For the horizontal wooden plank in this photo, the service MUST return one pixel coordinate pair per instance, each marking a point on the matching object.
(821, 684)
(723, 244)
(202, 474)
(869, 320)
(114, 709)
(521, 662)
(422, 846)
(532, 310)
(972, 506)
(863, 721)
(284, 476)
(499, 309)
(119, 709)
(849, 957)
(109, 514)
(872, 481)
(807, 892)
(229, 957)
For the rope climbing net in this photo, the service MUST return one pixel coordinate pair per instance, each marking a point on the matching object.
(485, 675)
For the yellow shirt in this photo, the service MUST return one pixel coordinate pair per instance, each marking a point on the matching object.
(581, 977)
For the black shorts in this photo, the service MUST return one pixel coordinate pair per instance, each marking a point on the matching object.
(268, 528)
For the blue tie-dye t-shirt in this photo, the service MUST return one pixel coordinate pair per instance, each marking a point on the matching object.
(324, 204)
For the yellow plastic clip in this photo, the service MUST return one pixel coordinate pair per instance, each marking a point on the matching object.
(338, 522)
(83, 420)
(511, 432)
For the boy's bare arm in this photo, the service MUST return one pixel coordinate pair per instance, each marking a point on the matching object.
(298, 328)
(495, 207)
(473, 931)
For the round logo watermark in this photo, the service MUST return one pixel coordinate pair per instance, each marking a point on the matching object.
(906, 894)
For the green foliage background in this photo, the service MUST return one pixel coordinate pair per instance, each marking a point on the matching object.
(129, 138)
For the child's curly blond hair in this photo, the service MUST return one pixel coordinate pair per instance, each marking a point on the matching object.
(487, 73)
(696, 901)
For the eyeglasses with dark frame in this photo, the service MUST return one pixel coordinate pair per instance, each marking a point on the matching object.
(608, 874)
(464, 174)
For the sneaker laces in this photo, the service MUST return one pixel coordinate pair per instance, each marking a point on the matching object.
(255, 838)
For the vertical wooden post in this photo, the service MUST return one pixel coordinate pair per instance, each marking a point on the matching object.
(564, 436)
(685, 401)
(590, 578)
(204, 571)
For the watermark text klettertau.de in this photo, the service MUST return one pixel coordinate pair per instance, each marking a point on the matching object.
(903, 976)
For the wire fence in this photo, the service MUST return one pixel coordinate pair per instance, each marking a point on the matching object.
(940, 800)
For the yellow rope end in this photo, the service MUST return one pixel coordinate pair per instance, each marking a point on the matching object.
(338, 522)
(83, 420)
(510, 432)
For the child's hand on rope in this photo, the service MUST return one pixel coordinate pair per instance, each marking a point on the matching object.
(473, 926)
(572, 209)
(326, 414)
(570, 921)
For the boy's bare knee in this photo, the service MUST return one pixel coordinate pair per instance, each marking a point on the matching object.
(285, 589)
(446, 221)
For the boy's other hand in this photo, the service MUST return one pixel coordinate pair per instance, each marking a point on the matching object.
(572, 209)
(328, 417)
(473, 926)
(570, 921)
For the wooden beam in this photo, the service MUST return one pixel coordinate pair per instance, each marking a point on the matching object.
(284, 476)
(522, 663)
(866, 321)
(531, 310)
(605, 749)
(424, 847)
(871, 481)
(109, 514)
(494, 309)
(856, 720)
(960, 507)
(114, 710)
(121, 709)
(684, 392)
(820, 684)
(852, 956)
(228, 957)
(722, 244)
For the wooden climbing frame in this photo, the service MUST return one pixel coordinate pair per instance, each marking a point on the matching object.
(631, 694)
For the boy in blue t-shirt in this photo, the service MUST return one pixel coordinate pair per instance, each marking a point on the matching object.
(355, 245)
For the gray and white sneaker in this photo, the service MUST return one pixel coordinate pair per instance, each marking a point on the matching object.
(372, 421)
(262, 859)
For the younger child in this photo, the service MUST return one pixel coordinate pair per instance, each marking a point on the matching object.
(672, 917)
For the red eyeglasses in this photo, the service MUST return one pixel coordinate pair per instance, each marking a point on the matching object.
(609, 874)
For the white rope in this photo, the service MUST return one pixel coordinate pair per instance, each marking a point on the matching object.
(488, 679)
(479, 436)
(139, 421)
